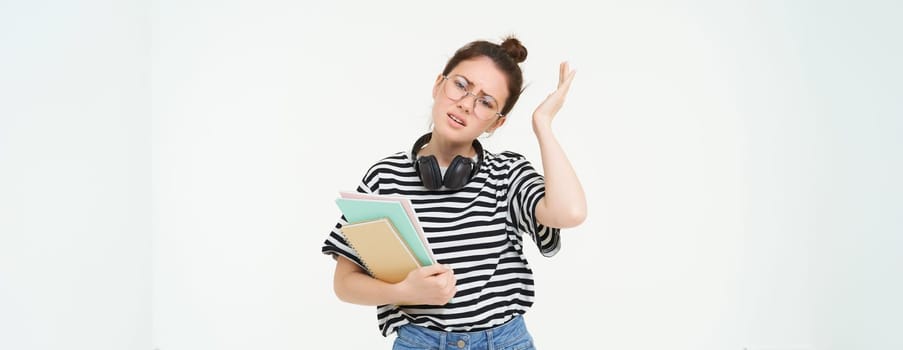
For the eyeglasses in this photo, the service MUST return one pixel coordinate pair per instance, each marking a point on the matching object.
(484, 106)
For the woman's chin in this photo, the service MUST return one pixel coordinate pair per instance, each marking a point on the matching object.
(453, 134)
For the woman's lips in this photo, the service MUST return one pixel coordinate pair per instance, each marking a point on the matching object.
(455, 119)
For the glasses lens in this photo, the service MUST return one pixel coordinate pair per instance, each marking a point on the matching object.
(485, 107)
(456, 87)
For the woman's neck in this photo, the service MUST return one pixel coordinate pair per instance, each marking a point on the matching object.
(445, 151)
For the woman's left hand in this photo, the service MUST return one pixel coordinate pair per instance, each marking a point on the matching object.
(546, 111)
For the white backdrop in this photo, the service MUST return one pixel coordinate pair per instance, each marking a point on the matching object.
(740, 162)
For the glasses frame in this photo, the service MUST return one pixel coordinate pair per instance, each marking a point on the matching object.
(467, 91)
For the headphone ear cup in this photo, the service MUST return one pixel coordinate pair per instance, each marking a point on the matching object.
(458, 173)
(429, 171)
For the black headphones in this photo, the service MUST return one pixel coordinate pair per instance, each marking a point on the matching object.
(458, 174)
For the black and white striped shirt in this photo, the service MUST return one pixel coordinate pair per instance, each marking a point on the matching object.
(477, 230)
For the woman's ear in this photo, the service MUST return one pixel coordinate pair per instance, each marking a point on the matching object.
(498, 124)
(436, 86)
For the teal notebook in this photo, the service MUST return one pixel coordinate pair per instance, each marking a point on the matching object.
(358, 210)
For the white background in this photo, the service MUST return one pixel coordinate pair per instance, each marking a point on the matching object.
(168, 168)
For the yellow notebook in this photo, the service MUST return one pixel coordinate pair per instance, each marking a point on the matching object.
(383, 252)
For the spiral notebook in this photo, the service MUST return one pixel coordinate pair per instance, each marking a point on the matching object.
(408, 208)
(381, 249)
(360, 210)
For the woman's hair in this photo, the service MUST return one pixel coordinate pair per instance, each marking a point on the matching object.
(505, 56)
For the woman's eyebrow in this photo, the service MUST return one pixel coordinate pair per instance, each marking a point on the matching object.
(470, 84)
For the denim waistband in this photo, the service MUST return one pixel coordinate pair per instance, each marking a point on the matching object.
(502, 336)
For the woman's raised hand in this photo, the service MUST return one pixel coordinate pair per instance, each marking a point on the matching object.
(547, 110)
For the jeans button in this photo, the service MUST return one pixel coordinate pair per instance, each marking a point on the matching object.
(461, 344)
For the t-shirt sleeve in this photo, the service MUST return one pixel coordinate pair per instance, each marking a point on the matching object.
(526, 188)
(335, 243)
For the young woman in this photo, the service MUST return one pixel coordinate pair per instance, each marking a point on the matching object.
(475, 207)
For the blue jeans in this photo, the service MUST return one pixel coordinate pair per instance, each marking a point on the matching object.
(512, 335)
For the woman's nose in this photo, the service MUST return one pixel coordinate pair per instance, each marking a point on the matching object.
(463, 105)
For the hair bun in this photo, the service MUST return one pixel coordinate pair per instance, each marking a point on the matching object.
(515, 49)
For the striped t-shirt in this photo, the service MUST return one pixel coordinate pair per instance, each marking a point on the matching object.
(477, 230)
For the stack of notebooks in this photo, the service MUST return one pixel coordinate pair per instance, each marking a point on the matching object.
(385, 233)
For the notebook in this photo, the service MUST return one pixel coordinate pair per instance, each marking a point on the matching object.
(380, 249)
(359, 210)
(408, 208)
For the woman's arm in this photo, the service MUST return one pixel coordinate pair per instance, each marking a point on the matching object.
(564, 204)
(433, 285)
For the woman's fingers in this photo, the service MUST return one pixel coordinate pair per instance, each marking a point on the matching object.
(433, 269)
(562, 72)
(565, 75)
(567, 82)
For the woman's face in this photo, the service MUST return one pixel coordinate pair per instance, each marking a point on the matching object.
(457, 120)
